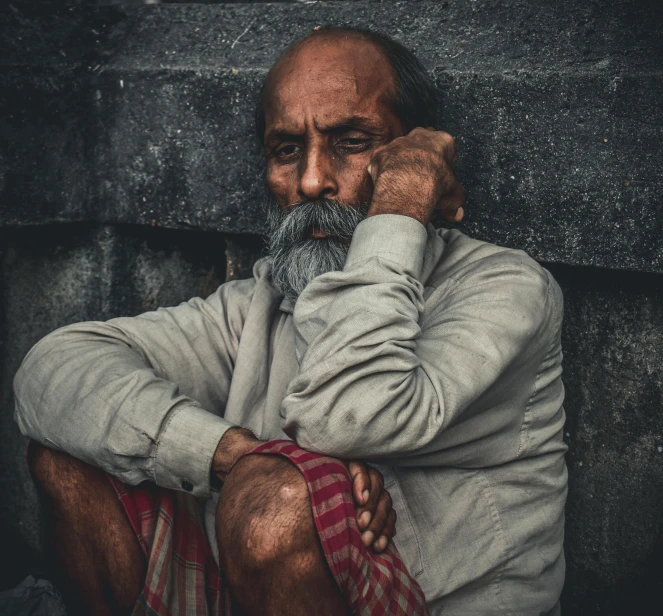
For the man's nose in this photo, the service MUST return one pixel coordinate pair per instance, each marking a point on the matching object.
(317, 179)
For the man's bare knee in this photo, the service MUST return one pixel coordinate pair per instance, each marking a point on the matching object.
(59, 475)
(264, 515)
(48, 467)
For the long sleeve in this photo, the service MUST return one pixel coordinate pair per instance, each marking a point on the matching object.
(387, 374)
(140, 397)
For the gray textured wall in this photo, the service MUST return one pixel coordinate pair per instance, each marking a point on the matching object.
(129, 178)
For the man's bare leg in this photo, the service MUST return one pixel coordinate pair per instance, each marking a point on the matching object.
(94, 554)
(269, 550)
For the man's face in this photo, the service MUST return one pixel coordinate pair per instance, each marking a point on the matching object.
(327, 108)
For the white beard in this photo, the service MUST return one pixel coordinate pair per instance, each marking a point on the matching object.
(296, 257)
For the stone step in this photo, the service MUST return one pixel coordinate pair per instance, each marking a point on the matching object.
(565, 166)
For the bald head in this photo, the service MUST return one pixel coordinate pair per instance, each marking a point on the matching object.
(413, 94)
(343, 65)
(327, 79)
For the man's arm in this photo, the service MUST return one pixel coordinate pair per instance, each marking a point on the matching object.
(379, 379)
(141, 397)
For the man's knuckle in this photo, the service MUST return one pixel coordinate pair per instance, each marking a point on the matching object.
(447, 144)
(453, 148)
(446, 138)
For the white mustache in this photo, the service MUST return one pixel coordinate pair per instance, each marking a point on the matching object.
(331, 217)
(296, 257)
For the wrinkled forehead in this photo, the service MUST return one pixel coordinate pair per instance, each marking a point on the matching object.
(327, 79)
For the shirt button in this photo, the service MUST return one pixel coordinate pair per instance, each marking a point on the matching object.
(187, 485)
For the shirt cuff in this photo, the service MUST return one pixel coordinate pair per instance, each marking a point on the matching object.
(397, 238)
(186, 450)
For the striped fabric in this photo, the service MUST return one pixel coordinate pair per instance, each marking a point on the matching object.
(182, 576)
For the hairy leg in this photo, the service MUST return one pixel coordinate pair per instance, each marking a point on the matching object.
(269, 550)
(94, 555)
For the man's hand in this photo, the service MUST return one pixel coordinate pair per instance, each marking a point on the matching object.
(233, 444)
(375, 517)
(413, 176)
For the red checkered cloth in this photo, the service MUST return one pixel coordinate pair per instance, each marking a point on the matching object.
(183, 577)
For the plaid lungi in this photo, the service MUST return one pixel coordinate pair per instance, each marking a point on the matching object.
(183, 577)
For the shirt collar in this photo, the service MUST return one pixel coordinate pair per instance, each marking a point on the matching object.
(287, 305)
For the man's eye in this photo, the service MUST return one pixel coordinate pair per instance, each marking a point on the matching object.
(287, 151)
(353, 144)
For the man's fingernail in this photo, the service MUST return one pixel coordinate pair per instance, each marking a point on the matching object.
(367, 537)
(364, 497)
(382, 543)
(365, 519)
(369, 169)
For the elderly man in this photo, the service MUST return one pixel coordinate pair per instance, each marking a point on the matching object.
(366, 335)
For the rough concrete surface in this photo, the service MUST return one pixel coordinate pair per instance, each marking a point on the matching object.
(613, 374)
(130, 178)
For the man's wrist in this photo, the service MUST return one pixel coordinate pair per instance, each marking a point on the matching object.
(382, 208)
(186, 448)
(233, 445)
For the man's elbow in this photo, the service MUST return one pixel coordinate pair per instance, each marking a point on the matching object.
(28, 387)
(364, 429)
(35, 376)
(29, 370)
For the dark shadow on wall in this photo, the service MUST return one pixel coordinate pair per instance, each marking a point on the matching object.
(613, 375)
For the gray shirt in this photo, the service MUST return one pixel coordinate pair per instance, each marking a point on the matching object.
(433, 355)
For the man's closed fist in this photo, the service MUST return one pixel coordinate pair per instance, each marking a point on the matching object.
(413, 176)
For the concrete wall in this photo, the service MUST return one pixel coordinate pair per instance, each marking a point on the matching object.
(129, 179)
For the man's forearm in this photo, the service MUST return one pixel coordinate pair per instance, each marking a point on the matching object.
(357, 332)
(385, 375)
(91, 390)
